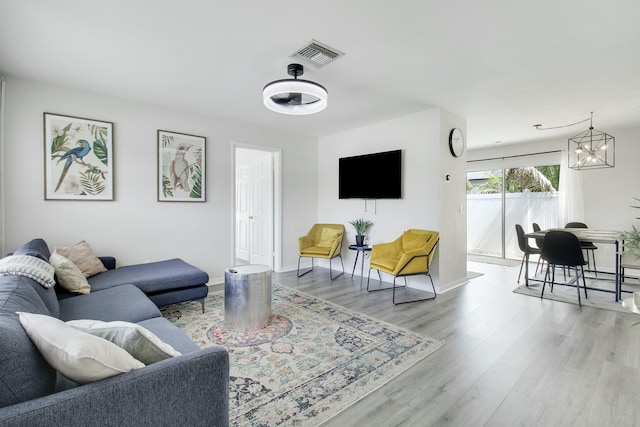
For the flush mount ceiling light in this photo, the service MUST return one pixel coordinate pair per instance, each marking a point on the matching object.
(590, 149)
(295, 96)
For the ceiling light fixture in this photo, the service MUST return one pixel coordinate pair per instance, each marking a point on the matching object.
(295, 96)
(590, 149)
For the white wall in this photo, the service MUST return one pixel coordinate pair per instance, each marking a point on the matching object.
(453, 205)
(135, 227)
(428, 202)
(608, 193)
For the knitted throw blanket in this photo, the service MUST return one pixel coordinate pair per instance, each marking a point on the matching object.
(28, 266)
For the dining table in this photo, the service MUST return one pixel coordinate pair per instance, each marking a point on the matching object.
(589, 235)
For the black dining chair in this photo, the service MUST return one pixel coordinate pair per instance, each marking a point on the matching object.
(536, 227)
(586, 246)
(525, 248)
(562, 248)
(539, 242)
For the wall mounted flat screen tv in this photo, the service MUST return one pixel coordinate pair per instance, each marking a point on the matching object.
(371, 176)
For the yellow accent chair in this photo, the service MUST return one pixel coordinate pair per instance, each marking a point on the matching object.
(322, 241)
(409, 255)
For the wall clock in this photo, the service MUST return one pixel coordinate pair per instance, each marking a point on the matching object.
(456, 142)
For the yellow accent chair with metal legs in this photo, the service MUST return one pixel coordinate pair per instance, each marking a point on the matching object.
(409, 255)
(322, 241)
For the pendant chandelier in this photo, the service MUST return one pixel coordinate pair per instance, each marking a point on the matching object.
(295, 96)
(591, 149)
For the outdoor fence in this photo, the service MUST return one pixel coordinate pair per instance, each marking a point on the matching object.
(484, 224)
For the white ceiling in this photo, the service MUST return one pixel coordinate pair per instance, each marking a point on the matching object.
(503, 65)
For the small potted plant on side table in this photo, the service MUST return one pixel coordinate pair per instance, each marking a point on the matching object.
(361, 226)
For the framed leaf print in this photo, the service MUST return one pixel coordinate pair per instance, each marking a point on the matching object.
(78, 158)
(181, 167)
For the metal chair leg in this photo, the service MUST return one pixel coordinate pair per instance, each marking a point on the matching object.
(521, 265)
(538, 265)
(308, 271)
(393, 287)
(586, 252)
(413, 300)
(578, 286)
(331, 271)
(593, 257)
(584, 282)
(544, 282)
(379, 279)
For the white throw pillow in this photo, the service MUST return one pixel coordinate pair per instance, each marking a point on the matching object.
(69, 275)
(79, 356)
(140, 342)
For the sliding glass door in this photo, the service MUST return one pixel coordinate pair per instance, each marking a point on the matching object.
(484, 210)
(497, 199)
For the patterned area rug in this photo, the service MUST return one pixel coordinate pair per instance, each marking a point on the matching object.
(313, 361)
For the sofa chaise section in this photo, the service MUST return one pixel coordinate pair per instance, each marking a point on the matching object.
(125, 302)
(164, 282)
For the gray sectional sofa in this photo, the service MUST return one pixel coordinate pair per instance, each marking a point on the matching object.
(190, 389)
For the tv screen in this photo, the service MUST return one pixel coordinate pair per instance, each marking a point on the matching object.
(371, 176)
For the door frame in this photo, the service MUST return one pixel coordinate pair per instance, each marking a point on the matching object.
(276, 154)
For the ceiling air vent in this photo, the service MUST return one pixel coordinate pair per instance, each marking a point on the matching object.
(317, 54)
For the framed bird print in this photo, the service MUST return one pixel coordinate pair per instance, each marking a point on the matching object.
(181, 167)
(78, 158)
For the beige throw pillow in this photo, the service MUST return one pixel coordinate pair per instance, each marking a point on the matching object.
(82, 256)
(69, 275)
(79, 356)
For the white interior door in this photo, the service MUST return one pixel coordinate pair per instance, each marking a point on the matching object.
(254, 206)
(243, 183)
(261, 218)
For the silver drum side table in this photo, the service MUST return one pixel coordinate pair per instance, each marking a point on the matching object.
(247, 297)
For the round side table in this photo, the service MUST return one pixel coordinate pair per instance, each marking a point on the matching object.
(247, 297)
(359, 249)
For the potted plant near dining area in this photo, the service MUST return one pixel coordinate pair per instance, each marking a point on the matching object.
(361, 226)
(631, 259)
(632, 239)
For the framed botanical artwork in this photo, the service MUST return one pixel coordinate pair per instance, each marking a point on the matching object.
(78, 158)
(181, 167)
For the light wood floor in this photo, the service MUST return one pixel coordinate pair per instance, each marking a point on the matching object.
(508, 359)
